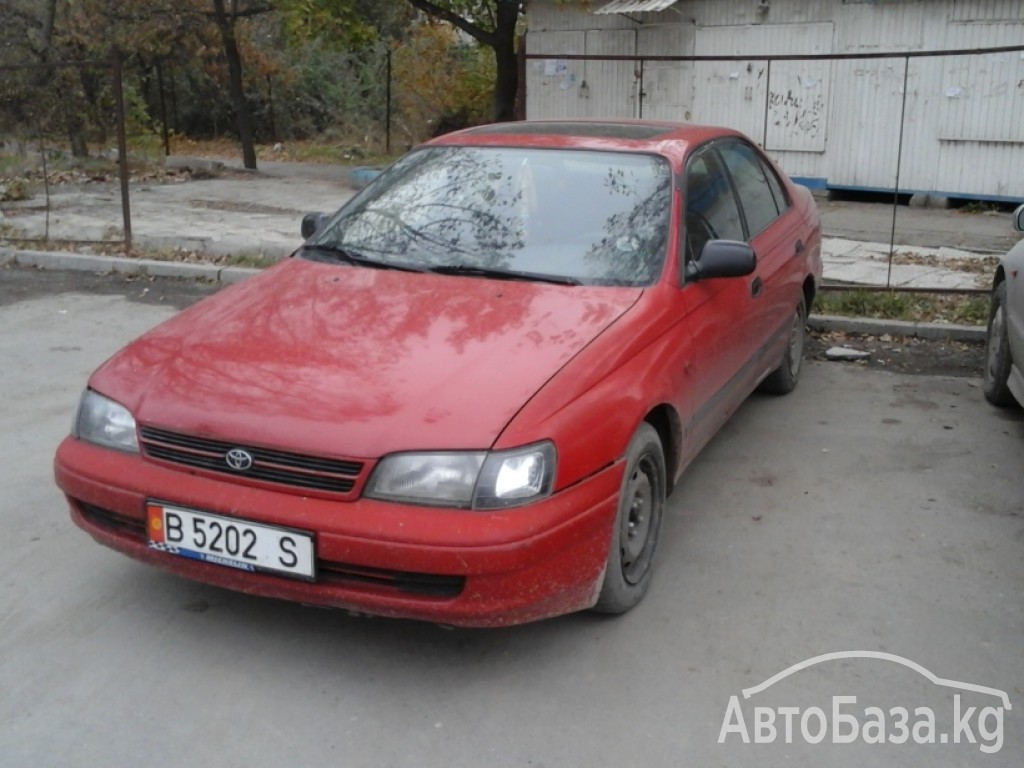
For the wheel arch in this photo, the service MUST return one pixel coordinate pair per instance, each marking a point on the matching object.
(999, 277)
(668, 425)
(810, 291)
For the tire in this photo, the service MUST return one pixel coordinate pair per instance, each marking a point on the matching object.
(783, 379)
(997, 352)
(637, 525)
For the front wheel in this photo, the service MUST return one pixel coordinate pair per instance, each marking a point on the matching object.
(783, 379)
(997, 352)
(637, 525)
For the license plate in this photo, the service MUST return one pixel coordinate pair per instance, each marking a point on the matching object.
(229, 542)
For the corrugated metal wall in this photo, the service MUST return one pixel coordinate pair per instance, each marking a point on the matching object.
(838, 121)
(552, 85)
(795, 94)
(611, 88)
(865, 125)
(987, 10)
(667, 85)
(560, 88)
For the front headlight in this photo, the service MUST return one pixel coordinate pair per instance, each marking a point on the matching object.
(102, 421)
(477, 480)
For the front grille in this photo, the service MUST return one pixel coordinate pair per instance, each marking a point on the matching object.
(426, 584)
(268, 465)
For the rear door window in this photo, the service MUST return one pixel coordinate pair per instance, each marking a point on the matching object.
(755, 193)
(711, 209)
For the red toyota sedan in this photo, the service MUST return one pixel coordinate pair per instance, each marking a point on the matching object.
(466, 397)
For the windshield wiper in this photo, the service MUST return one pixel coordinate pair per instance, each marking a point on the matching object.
(348, 256)
(503, 274)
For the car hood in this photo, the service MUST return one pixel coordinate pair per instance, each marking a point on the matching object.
(358, 362)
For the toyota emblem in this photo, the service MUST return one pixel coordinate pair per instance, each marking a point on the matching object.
(238, 459)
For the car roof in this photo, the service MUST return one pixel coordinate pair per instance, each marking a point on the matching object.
(664, 138)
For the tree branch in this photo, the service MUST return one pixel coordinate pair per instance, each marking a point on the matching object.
(473, 30)
(255, 10)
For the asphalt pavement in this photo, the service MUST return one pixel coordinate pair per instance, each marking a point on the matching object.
(868, 511)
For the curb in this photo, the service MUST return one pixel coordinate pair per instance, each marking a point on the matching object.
(870, 326)
(78, 262)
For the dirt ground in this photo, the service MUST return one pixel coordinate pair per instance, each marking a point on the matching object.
(903, 354)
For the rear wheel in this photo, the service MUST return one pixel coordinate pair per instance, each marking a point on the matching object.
(783, 379)
(637, 525)
(997, 352)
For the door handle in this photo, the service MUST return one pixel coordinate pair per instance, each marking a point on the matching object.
(756, 287)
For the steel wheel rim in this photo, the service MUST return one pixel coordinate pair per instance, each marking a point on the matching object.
(995, 339)
(796, 344)
(639, 521)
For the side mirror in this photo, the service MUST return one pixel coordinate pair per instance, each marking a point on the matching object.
(722, 258)
(1018, 219)
(312, 222)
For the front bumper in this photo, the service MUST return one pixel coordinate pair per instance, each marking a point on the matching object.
(456, 567)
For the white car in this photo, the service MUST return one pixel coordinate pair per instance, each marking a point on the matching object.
(1004, 346)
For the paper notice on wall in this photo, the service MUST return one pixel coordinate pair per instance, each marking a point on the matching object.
(555, 67)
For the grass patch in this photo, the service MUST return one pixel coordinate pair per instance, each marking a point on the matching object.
(961, 309)
(257, 260)
(10, 165)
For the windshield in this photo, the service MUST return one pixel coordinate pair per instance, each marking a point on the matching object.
(598, 218)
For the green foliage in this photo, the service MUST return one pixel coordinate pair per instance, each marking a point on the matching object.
(344, 25)
(323, 89)
(454, 92)
(249, 259)
(311, 68)
(341, 24)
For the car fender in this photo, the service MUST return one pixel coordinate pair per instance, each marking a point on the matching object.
(641, 364)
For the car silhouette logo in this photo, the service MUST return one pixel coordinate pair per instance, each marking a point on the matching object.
(238, 459)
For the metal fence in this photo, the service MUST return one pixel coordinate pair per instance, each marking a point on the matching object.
(76, 132)
(40, 116)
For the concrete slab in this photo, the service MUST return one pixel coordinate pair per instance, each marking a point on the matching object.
(989, 231)
(871, 269)
(256, 215)
(872, 327)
